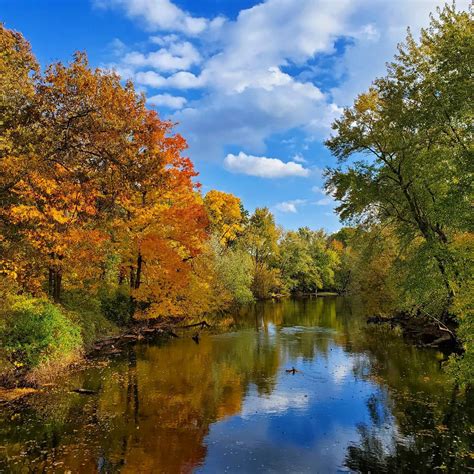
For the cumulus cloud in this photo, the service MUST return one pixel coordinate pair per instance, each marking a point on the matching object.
(255, 76)
(289, 206)
(185, 80)
(177, 56)
(167, 100)
(263, 167)
(179, 80)
(159, 15)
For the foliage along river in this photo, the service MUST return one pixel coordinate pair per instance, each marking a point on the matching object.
(361, 400)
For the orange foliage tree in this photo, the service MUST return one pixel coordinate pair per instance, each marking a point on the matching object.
(94, 175)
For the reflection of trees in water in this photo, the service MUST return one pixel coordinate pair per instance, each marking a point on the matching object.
(431, 417)
(435, 440)
(156, 402)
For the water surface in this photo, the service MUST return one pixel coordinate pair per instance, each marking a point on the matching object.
(361, 400)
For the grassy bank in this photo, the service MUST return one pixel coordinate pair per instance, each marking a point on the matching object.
(40, 339)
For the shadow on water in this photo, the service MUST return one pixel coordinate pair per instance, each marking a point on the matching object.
(360, 400)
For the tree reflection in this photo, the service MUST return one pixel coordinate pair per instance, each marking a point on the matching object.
(156, 403)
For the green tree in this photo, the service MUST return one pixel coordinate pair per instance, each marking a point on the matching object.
(411, 139)
(260, 240)
(307, 262)
(234, 269)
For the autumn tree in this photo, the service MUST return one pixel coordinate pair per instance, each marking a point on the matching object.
(82, 154)
(225, 215)
(260, 239)
(18, 67)
(107, 177)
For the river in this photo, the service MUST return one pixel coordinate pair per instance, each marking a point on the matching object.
(361, 399)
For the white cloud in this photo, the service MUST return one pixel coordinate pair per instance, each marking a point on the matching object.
(318, 190)
(243, 68)
(159, 15)
(246, 118)
(164, 40)
(150, 78)
(299, 158)
(167, 100)
(376, 30)
(185, 80)
(179, 80)
(270, 34)
(289, 206)
(324, 201)
(178, 55)
(263, 167)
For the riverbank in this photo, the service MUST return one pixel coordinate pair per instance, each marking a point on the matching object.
(419, 331)
(422, 331)
(229, 402)
(22, 382)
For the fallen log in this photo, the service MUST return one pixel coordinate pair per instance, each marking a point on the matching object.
(445, 338)
(203, 324)
(84, 391)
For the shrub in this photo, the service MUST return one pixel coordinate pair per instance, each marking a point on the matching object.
(86, 311)
(266, 281)
(116, 305)
(35, 332)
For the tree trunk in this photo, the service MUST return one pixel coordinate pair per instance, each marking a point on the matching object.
(51, 282)
(57, 286)
(139, 271)
(55, 282)
(433, 234)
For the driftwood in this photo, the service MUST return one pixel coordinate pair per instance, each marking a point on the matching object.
(143, 330)
(424, 330)
(84, 391)
(445, 338)
(203, 324)
(137, 333)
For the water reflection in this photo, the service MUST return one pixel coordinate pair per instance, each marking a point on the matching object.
(360, 400)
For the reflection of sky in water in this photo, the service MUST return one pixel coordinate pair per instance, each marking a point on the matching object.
(228, 404)
(306, 423)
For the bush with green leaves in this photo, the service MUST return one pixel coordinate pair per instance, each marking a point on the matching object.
(116, 305)
(234, 267)
(86, 310)
(35, 332)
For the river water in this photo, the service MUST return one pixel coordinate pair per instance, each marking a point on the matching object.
(360, 400)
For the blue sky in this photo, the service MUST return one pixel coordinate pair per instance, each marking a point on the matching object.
(254, 86)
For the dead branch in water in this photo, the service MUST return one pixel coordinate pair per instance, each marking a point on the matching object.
(203, 324)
